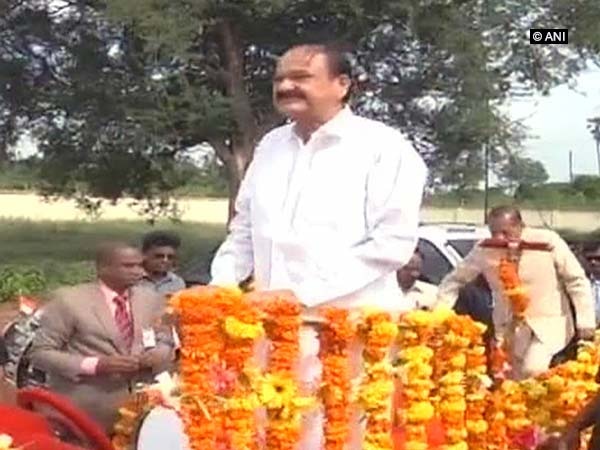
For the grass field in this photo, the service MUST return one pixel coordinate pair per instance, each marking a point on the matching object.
(62, 251)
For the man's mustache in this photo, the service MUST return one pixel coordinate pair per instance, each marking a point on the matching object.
(289, 95)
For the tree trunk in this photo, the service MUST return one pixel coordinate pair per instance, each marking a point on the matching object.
(242, 142)
(235, 170)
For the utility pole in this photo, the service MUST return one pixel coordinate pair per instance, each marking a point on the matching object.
(485, 12)
(598, 149)
(486, 177)
(594, 127)
(571, 177)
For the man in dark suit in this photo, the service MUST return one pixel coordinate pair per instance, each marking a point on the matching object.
(97, 341)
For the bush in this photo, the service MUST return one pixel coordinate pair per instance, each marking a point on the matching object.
(15, 282)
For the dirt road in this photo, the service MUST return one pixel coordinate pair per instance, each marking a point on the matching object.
(214, 211)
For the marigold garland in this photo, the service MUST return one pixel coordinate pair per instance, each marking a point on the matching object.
(497, 437)
(202, 374)
(378, 333)
(554, 398)
(442, 371)
(241, 328)
(282, 326)
(477, 384)
(335, 337)
(452, 360)
(512, 288)
(415, 374)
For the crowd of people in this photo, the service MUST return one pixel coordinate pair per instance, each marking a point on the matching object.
(329, 209)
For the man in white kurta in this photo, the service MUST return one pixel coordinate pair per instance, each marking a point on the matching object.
(329, 206)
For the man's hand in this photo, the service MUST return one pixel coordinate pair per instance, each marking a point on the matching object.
(149, 360)
(117, 364)
(586, 334)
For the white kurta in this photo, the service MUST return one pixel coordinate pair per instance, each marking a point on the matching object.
(332, 219)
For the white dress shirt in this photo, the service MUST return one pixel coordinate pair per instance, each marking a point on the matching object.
(331, 219)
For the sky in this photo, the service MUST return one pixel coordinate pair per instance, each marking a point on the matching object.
(558, 123)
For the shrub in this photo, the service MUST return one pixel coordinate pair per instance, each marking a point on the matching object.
(15, 282)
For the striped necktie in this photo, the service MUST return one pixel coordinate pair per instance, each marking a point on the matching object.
(123, 320)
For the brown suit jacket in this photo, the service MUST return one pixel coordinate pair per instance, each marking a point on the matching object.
(77, 323)
(552, 279)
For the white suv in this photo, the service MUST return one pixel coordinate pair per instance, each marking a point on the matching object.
(444, 245)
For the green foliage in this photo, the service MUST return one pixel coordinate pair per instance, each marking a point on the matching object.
(18, 176)
(523, 171)
(62, 252)
(125, 86)
(20, 281)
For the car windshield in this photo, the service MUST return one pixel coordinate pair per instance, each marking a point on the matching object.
(462, 246)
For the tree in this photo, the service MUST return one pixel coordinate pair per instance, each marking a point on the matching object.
(130, 83)
(523, 171)
(594, 127)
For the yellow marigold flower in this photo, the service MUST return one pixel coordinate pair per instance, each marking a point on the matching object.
(456, 434)
(556, 383)
(387, 329)
(476, 396)
(441, 314)
(375, 393)
(515, 407)
(455, 377)
(535, 390)
(498, 416)
(518, 424)
(415, 445)
(458, 446)
(416, 394)
(240, 330)
(420, 412)
(452, 390)
(248, 403)
(416, 353)
(477, 426)
(456, 406)
(510, 386)
(417, 370)
(479, 350)
(417, 318)
(419, 384)
(458, 361)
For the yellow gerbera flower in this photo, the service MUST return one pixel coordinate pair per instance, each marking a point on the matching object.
(240, 330)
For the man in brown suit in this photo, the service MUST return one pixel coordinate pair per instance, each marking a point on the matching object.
(560, 297)
(97, 341)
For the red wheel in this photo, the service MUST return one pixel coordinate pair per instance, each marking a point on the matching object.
(60, 411)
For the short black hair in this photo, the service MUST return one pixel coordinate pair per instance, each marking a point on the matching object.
(106, 252)
(506, 210)
(338, 59)
(160, 238)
